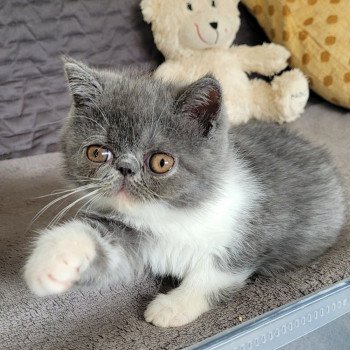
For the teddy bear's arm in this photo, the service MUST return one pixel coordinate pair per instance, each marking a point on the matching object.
(174, 72)
(266, 59)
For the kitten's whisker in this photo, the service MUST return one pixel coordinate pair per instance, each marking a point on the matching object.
(100, 110)
(58, 192)
(68, 207)
(146, 189)
(56, 122)
(47, 206)
(85, 178)
(143, 235)
(85, 117)
(94, 137)
(79, 176)
(89, 203)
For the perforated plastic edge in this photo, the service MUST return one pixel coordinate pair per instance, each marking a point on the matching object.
(283, 325)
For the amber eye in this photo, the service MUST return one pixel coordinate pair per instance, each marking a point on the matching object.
(98, 154)
(161, 163)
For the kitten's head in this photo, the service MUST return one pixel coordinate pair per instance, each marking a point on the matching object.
(132, 140)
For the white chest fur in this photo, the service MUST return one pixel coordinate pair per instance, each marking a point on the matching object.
(178, 239)
(181, 238)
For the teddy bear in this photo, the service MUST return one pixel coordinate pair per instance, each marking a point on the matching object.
(195, 37)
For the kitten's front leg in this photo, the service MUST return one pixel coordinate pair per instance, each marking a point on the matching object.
(196, 295)
(72, 253)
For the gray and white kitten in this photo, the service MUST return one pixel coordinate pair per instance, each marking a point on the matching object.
(175, 191)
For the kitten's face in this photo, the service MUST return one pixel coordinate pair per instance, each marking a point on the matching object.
(133, 140)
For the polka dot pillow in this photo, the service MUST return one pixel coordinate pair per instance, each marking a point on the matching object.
(317, 33)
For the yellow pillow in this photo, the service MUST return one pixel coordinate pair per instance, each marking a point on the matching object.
(317, 33)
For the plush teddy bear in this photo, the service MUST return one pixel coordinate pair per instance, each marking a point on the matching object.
(195, 37)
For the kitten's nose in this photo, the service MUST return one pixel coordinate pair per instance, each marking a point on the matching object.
(126, 171)
(127, 165)
(214, 24)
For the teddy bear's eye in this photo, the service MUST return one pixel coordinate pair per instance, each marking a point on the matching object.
(213, 3)
(189, 6)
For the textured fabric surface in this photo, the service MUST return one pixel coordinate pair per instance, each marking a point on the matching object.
(113, 318)
(34, 34)
(316, 33)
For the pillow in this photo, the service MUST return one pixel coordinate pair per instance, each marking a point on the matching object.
(317, 33)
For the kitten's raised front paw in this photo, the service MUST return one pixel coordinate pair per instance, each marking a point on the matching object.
(60, 257)
(172, 310)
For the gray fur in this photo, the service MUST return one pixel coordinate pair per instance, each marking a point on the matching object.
(303, 208)
(298, 216)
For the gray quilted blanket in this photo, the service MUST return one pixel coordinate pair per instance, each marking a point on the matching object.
(33, 36)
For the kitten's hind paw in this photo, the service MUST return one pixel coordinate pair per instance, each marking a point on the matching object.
(60, 257)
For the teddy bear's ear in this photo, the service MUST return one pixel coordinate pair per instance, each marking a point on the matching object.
(201, 101)
(150, 9)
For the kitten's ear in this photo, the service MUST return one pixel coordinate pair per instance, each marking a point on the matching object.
(202, 101)
(83, 82)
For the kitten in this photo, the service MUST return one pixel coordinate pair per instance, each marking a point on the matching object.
(174, 191)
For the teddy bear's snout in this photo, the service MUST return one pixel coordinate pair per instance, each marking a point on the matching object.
(214, 25)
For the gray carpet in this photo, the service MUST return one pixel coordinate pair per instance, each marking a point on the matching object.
(113, 318)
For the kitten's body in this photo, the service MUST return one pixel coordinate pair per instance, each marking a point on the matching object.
(254, 198)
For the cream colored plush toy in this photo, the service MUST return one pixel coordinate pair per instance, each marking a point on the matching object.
(195, 37)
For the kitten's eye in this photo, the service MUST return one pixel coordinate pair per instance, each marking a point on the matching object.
(213, 4)
(98, 154)
(189, 6)
(160, 163)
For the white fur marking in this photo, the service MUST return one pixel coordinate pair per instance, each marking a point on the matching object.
(60, 256)
(182, 238)
(187, 302)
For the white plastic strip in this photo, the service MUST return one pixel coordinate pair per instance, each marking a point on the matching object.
(285, 324)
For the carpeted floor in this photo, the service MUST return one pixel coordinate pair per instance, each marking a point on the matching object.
(113, 318)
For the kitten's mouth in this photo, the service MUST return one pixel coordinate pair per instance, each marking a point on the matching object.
(123, 199)
(122, 189)
(123, 193)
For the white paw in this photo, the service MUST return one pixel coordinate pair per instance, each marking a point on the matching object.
(172, 310)
(60, 257)
(292, 92)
